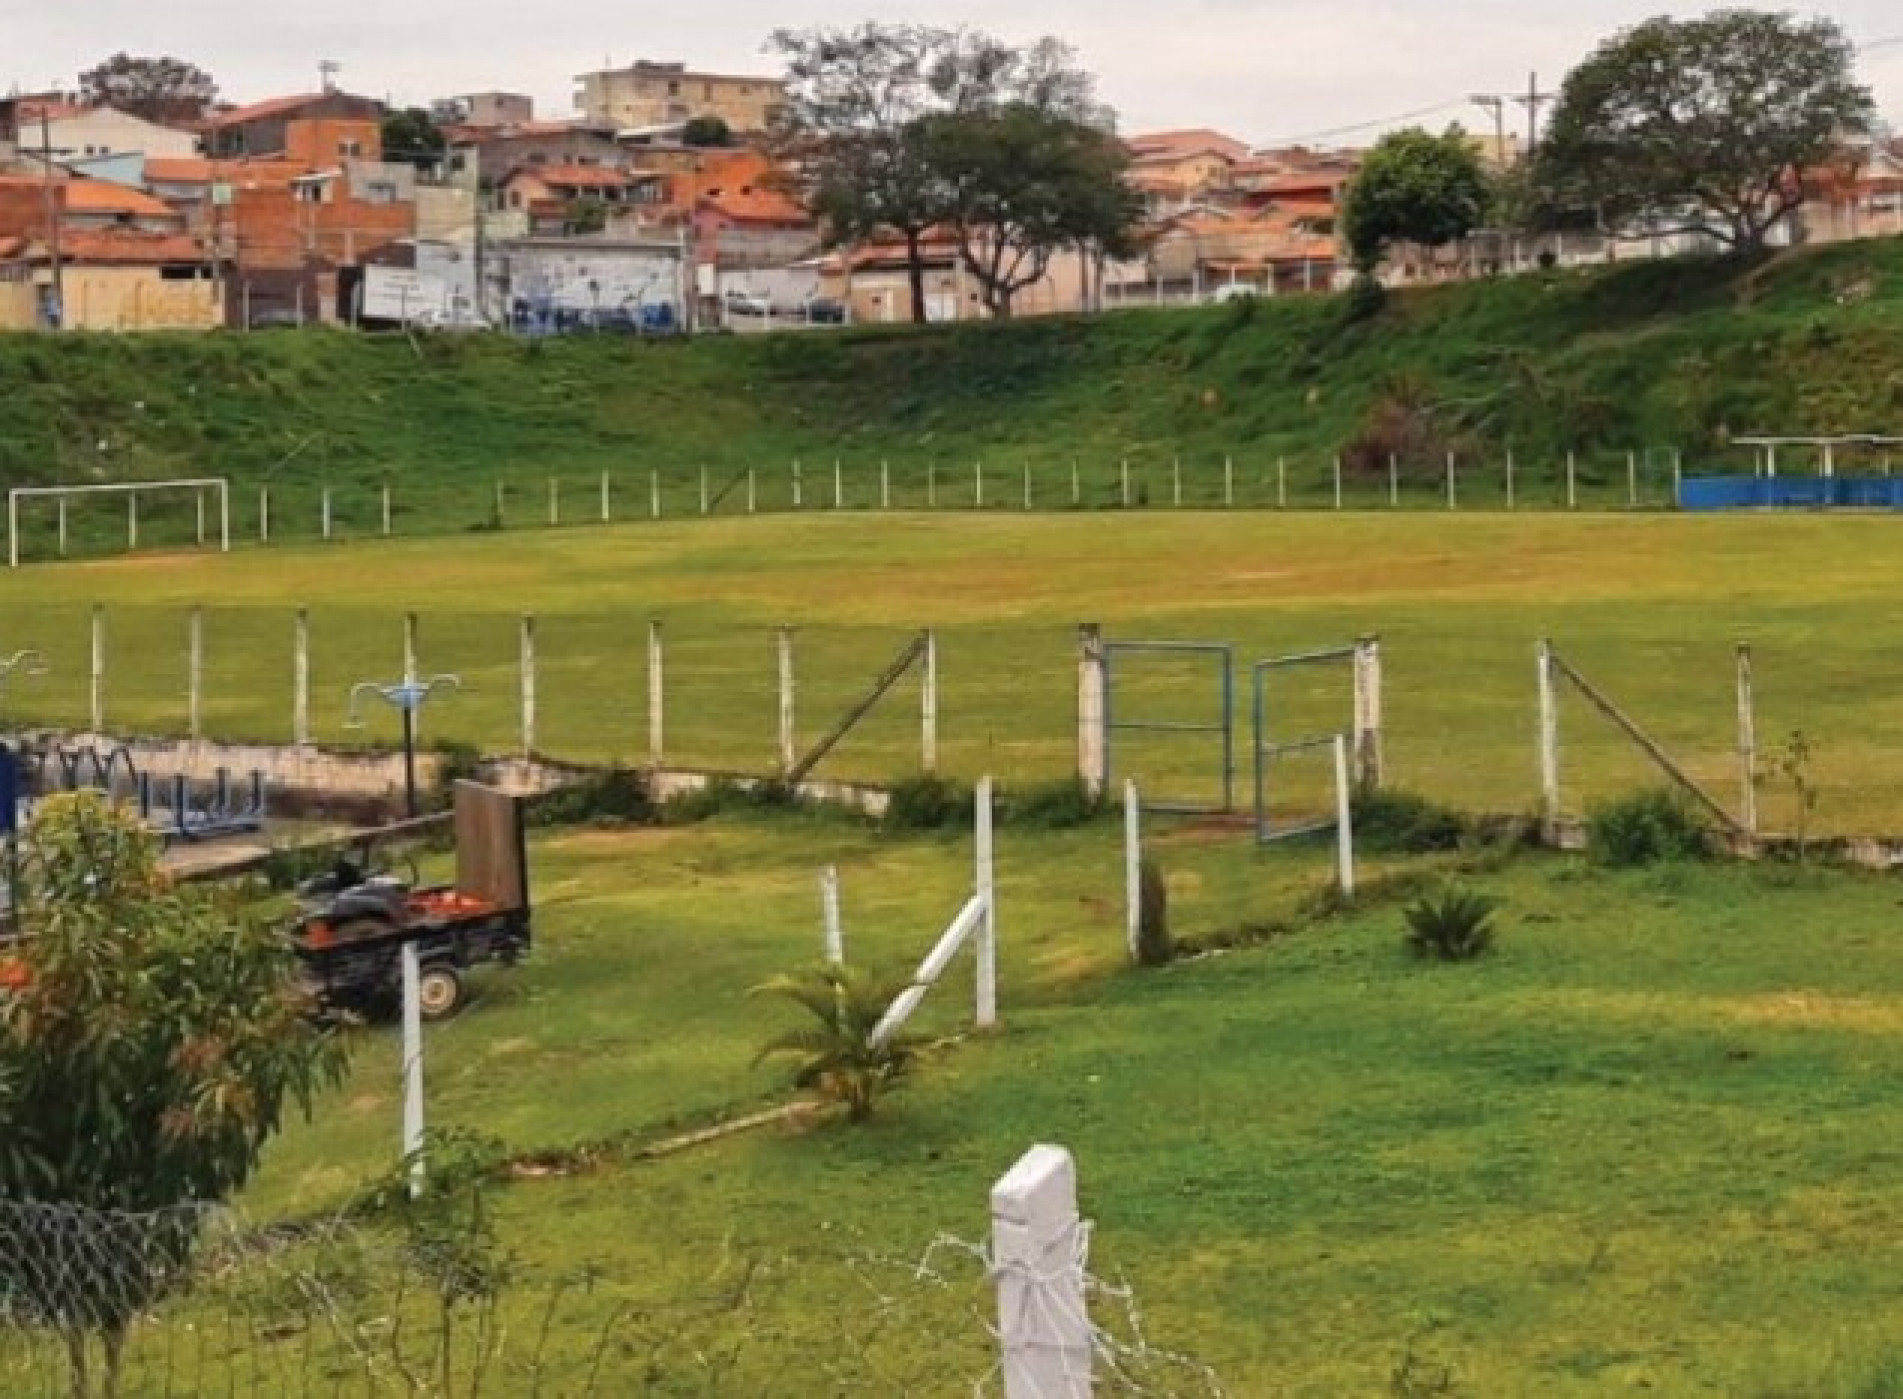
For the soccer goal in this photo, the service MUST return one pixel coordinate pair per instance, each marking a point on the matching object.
(204, 490)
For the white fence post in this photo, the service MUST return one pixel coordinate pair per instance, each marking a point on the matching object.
(978, 485)
(1510, 502)
(1549, 738)
(13, 535)
(1132, 866)
(799, 489)
(1093, 763)
(1038, 1258)
(1632, 480)
(413, 1068)
(1076, 484)
(1126, 483)
(657, 695)
(301, 679)
(654, 494)
(1027, 485)
(264, 515)
(1572, 480)
(195, 674)
(829, 907)
(1176, 482)
(1370, 759)
(885, 485)
(839, 486)
(607, 499)
(526, 661)
(328, 518)
(132, 521)
(928, 706)
(1281, 483)
(1344, 819)
(1228, 482)
(789, 754)
(97, 685)
(386, 509)
(1678, 474)
(1453, 496)
(986, 1013)
(705, 499)
(1747, 745)
(198, 499)
(1394, 481)
(752, 492)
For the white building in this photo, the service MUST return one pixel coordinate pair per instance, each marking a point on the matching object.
(105, 131)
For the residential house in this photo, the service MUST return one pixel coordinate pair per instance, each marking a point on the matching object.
(31, 205)
(103, 131)
(484, 111)
(1173, 170)
(646, 94)
(561, 199)
(752, 227)
(487, 156)
(1270, 251)
(873, 281)
(548, 283)
(264, 128)
(1858, 196)
(113, 279)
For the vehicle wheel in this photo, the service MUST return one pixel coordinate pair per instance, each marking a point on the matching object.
(439, 992)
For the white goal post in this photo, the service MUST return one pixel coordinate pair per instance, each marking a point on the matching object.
(130, 489)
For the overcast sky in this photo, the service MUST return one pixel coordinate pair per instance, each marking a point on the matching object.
(1266, 70)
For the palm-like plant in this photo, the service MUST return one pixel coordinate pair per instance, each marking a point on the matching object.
(1454, 925)
(835, 1056)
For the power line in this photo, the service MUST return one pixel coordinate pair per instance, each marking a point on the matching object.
(1350, 130)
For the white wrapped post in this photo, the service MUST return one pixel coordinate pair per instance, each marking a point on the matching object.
(386, 510)
(928, 706)
(607, 499)
(1337, 483)
(195, 675)
(1344, 819)
(789, 752)
(885, 485)
(97, 686)
(413, 1068)
(1038, 1255)
(264, 515)
(1369, 748)
(1228, 481)
(301, 679)
(525, 659)
(1132, 866)
(1549, 737)
(1747, 745)
(657, 695)
(829, 907)
(1453, 498)
(987, 892)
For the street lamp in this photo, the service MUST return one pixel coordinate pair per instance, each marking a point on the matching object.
(406, 697)
(19, 663)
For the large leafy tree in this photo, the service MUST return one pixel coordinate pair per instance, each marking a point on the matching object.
(412, 137)
(151, 1040)
(1706, 125)
(1414, 187)
(158, 89)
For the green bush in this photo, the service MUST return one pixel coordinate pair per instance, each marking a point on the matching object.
(723, 794)
(1052, 806)
(1646, 828)
(1155, 946)
(928, 803)
(619, 795)
(1405, 823)
(461, 762)
(1453, 925)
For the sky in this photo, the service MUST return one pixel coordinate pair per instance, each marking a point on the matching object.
(1270, 72)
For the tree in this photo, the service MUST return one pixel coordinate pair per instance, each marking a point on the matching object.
(835, 1055)
(151, 1039)
(1023, 183)
(158, 89)
(1706, 125)
(1414, 188)
(707, 133)
(412, 137)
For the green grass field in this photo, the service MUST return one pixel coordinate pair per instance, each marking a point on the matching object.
(1649, 606)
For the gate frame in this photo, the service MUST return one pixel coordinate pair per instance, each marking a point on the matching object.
(1225, 727)
(1364, 736)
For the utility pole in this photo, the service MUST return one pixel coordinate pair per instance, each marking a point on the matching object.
(53, 220)
(1497, 104)
(1533, 101)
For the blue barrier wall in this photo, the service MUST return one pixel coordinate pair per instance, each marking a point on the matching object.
(1790, 492)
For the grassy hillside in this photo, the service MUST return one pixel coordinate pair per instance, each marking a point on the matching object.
(1643, 357)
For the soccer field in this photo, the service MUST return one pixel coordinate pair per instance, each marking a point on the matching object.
(1648, 606)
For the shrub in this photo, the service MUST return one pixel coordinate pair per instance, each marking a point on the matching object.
(928, 803)
(461, 762)
(723, 794)
(619, 795)
(1452, 925)
(1645, 828)
(1405, 823)
(835, 1056)
(1155, 946)
(1051, 806)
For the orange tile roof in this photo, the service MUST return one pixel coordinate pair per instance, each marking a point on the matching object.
(757, 206)
(1177, 144)
(178, 170)
(104, 197)
(257, 111)
(52, 109)
(119, 247)
(577, 176)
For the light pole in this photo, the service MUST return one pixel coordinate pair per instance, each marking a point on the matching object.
(24, 663)
(406, 696)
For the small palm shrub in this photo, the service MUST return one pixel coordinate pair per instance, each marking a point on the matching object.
(1454, 924)
(1155, 946)
(1646, 828)
(833, 1055)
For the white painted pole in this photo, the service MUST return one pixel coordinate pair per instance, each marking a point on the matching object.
(97, 677)
(1632, 480)
(751, 492)
(301, 679)
(1453, 496)
(1510, 502)
(829, 906)
(706, 497)
(62, 533)
(1337, 483)
(657, 695)
(195, 674)
(1044, 1331)
(1281, 483)
(928, 706)
(1747, 744)
(1132, 867)
(1027, 485)
(978, 485)
(132, 521)
(525, 660)
(654, 494)
(413, 1068)
(1126, 483)
(607, 499)
(410, 650)
(264, 515)
(1394, 481)
(386, 510)
(198, 499)
(1176, 482)
(987, 997)
(1678, 474)
(1572, 481)
(789, 753)
(1076, 484)
(1344, 819)
(13, 529)
(839, 486)
(1549, 737)
(885, 485)
(1228, 482)
(799, 487)
(327, 516)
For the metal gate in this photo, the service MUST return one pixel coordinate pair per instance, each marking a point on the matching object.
(1362, 729)
(1118, 657)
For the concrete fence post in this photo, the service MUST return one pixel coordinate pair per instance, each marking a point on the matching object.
(1344, 819)
(885, 485)
(607, 499)
(301, 679)
(789, 750)
(132, 521)
(928, 706)
(1549, 739)
(654, 494)
(829, 909)
(264, 515)
(1093, 758)
(1338, 482)
(412, 977)
(328, 520)
(97, 672)
(986, 1009)
(386, 510)
(1038, 1259)
(195, 675)
(1394, 481)
(1510, 501)
(1747, 745)
(1370, 756)
(657, 695)
(525, 649)
(1132, 867)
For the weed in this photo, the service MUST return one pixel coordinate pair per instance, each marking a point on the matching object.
(1646, 828)
(1404, 823)
(928, 803)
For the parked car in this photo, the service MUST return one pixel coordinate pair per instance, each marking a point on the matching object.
(823, 310)
(748, 303)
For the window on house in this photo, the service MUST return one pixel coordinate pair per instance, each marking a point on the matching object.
(379, 192)
(673, 89)
(181, 274)
(350, 149)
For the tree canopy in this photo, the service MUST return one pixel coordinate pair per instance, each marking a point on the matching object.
(1707, 124)
(707, 133)
(412, 137)
(158, 89)
(1414, 187)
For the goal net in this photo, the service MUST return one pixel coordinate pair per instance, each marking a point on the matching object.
(56, 520)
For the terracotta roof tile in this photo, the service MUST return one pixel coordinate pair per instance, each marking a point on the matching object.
(178, 170)
(757, 206)
(257, 111)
